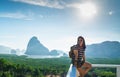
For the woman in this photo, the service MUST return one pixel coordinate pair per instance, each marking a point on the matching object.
(78, 57)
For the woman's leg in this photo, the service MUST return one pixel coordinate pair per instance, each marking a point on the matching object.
(81, 72)
(87, 66)
(76, 54)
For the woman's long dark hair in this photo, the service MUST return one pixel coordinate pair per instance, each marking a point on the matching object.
(84, 45)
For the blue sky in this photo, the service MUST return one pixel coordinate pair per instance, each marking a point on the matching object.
(58, 23)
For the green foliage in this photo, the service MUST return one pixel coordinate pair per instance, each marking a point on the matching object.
(104, 72)
(21, 66)
(104, 60)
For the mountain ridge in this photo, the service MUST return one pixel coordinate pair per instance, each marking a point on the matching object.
(105, 49)
(34, 47)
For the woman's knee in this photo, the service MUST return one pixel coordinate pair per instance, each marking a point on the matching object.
(88, 65)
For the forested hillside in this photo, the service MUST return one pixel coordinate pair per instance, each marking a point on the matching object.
(21, 66)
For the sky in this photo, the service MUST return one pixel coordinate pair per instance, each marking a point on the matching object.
(58, 23)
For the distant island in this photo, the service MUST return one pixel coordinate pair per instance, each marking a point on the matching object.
(106, 49)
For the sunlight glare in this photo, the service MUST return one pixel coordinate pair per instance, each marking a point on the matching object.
(87, 10)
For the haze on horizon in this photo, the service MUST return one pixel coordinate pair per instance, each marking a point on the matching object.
(58, 23)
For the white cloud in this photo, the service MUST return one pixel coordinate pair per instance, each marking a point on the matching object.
(8, 36)
(41, 16)
(47, 3)
(12, 15)
(58, 4)
(73, 5)
(110, 12)
(16, 15)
